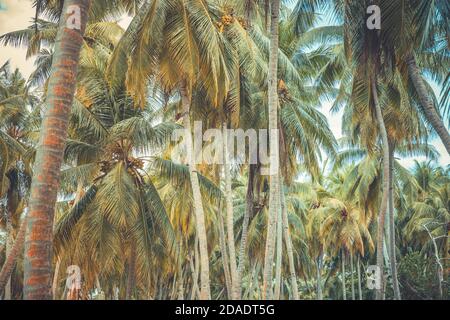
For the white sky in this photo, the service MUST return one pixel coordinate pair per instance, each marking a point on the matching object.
(19, 14)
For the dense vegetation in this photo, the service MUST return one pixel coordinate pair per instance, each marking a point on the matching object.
(87, 178)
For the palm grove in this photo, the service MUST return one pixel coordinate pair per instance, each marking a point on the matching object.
(87, 177)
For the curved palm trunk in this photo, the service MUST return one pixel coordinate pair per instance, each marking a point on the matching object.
(274, 185)
(440, 267)
(11, 258)
(384, 199)
(430, 112)
(235, 293)
(205, 293)
(393, 258)
(289, 247)
(248, 212)
(61, 89)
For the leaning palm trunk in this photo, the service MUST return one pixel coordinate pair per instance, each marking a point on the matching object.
(393, 258)
(274, 186)
(440, 267)
(230, 216)
(430, 112)
(289, 250)
(248, 212)
(205, 293)
(11, 258)
(49, 153)
(384, 199)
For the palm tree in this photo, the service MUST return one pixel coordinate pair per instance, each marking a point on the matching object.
(61, 88)
(428, 215)
(20, 118)
(274, 196)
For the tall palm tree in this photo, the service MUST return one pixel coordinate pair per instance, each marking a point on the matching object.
(274, 196)
(61, 89)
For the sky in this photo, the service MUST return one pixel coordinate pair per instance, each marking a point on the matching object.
(18, 14)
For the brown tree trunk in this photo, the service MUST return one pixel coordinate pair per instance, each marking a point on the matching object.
(200, 223)
(385, 196)
(274, 184)
(430, 112)
(49, 153)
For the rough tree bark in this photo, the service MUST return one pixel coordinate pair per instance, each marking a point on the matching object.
(49, 153)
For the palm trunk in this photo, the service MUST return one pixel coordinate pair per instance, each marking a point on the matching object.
(11, 258)
(195, 268)
(49, 153)
(274, 185)
(289, 247)
(205, 293)
(55, 278)
(319, 276)
(9, 245)
(393, 258)
(440, 267)
(181, 274)
(358, 269)
(344, 289)
(279, 256)
(243, 246)
(352, 278)
(131, 279)
(384, 200)
(430, 112)
(230, 215)
(224, 253)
